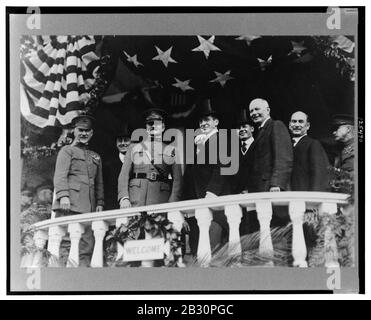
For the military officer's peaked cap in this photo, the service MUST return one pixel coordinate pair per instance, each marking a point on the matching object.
(341, 119)
(83, 121)
(154, 114)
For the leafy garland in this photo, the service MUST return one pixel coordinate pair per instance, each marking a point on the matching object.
(157, 225)
(343, 61)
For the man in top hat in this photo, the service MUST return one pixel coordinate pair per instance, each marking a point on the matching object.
(78, 181)
(112, 167)
(310, 168)
(150, 174)
(203, 178)
(343, 131)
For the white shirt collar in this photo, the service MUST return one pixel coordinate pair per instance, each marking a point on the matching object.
(122, 157)
(297, 139)
(263, 123)
(247, 143)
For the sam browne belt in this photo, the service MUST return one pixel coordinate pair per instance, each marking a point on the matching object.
(152, 176)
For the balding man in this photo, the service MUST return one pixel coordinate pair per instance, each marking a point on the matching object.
(310, 170)
(271, 156)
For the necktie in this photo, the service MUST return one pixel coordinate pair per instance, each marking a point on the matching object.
(244, 148)
(293, 142)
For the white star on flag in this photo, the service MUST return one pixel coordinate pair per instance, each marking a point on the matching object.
(206, 45)
(133, 59)
(248, 38)
(222, 78)
(164, 56)
(297, 47)
(182, 85)
(265, 63)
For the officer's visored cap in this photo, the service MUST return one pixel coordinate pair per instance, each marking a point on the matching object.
(342, 119)
(83, 121)
(154, 114)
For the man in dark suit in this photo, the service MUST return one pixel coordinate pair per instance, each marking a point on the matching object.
(203, 178)
(272, 155)
(249, 222)
(310, 170)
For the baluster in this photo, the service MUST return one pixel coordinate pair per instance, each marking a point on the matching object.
(264, 214)
(55, 238)
(234, 215)
(100, 228)
(40, 237)
(75, 230)
(330, 247)
(204, 217)
(177, 218)
(299, 249)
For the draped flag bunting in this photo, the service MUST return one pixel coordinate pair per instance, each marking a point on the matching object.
(56, 75)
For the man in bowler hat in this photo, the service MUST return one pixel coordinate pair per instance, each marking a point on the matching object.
(78, 181)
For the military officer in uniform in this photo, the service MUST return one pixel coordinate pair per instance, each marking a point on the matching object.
(78, 181)
(150, 174)
(343, 131)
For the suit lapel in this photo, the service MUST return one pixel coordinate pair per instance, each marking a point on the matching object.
(261, 133)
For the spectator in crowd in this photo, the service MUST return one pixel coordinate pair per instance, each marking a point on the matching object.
(310, 169)
(78, 182)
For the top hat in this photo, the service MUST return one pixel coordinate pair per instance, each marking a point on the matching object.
(341, 119)
(205, 109)
(154, 114)
(123, 132)
(244, 118)
(83, 121)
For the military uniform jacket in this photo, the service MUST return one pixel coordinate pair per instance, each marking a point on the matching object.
(143, 191)
(271, 158)
(345, 160)
(78, 175)
(310, 170)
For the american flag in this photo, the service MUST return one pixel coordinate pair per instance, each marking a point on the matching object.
(56, 74)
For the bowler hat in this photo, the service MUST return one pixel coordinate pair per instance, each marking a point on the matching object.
(244, 118)
(341, 119)
(84, 121)
(204, 108)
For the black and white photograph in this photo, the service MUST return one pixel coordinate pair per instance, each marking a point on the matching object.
(186, 151)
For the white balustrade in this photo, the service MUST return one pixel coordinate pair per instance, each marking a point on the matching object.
(55, 238)
(75, 230)
(100, 228)
(204, 217)
(54, 229)
(299, 249)
(234, 214)
(264, 214)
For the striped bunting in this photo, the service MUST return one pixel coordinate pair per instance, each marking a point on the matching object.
(56, 75)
